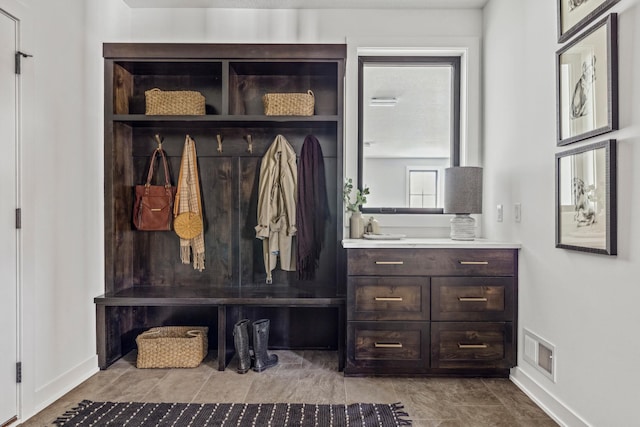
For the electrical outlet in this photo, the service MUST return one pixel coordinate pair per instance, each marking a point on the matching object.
(517, 212)
(500, 213)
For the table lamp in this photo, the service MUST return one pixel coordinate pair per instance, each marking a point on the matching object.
(463, 196)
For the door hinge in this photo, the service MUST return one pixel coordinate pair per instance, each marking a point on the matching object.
(19, 56)
(19, 372)
(18, 218)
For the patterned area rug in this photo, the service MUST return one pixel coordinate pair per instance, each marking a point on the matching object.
(134, 414)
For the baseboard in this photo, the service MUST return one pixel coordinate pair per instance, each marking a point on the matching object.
(554, 407)
(64, 383)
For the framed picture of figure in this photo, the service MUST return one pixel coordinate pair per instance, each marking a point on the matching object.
(586, 198)
(587, 83)
(574, 15)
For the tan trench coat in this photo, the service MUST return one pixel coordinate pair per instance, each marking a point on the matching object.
(277, 206)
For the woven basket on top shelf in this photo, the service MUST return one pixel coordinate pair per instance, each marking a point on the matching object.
(174, 103)
(289, 104)
(172, 347)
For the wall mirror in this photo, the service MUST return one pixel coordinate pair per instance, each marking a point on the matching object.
(408, 130)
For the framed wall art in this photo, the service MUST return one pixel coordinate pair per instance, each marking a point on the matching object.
(586, 198)
(587, 83)
(574, 15)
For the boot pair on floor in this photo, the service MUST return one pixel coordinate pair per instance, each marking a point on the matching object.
(261, 359)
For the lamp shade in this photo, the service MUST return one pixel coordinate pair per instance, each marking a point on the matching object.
(463, 190)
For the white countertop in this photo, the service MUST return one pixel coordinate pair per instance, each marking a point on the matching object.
(411, 243)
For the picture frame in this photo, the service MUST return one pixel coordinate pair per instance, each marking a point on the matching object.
(574, 15)
(587, 83)
(586, 200)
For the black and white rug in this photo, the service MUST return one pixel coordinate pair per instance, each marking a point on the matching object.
(135, 414)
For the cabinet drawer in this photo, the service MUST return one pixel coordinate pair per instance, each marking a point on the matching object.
(388, 298)
(472, 298)
(431, 262)
(391, 346)
(472, 345)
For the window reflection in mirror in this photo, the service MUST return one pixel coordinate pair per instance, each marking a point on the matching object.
(408, 131)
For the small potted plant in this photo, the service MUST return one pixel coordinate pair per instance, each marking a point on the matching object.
(356, 222)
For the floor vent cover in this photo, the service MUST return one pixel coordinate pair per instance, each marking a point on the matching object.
(540, 354)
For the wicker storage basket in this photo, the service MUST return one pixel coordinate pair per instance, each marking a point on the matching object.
(172, 347)
(288, 104)
(174, 103)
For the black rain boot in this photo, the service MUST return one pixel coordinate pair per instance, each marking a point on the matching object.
(260, 341)
(241, 341)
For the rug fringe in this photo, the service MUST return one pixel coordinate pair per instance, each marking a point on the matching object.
(62, 419)
(398, 412)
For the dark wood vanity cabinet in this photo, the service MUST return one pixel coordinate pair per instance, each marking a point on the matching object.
(431, 311)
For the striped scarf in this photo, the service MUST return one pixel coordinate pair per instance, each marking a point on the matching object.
(189, 201)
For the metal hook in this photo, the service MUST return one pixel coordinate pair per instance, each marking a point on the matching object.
(159, 141)
(219, 137)
(250, 142)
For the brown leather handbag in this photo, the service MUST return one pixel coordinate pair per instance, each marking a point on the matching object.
(153, 208)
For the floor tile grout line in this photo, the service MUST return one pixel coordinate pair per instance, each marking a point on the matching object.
(477, 405)
(144, 398)
(201, 387)
(509, 407)
(344, 383)
(101, 390)
(493, 392)
(246, 393)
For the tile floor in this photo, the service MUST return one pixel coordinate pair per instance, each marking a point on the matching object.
(310, 377)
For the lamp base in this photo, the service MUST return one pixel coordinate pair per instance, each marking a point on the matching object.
(463, 227)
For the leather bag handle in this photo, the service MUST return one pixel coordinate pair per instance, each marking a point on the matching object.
(167, 184)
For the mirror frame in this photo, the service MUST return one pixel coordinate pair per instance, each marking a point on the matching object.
(455, 62)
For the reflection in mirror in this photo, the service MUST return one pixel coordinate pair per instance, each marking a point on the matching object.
(408, 131)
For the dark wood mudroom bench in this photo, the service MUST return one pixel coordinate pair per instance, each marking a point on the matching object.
(109, 347)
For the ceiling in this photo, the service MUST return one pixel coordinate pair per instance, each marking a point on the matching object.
(310, 4)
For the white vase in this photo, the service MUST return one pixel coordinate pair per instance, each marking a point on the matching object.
(356, 225)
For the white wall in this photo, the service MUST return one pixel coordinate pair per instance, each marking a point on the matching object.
(62, 159)
(586, 305)
(61, 239)
(297, 26)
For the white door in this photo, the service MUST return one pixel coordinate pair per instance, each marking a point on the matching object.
(8, 231)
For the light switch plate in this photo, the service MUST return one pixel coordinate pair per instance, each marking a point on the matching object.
(500, 212)
(517, 212)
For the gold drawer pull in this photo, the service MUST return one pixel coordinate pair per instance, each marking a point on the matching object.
(472, 299)
(388, 299)
(389, 262)
(468, 346)
(474, 262)
(388, 345)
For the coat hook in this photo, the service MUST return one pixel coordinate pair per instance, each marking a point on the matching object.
(159, 141)
(250, 142)
(219, 137)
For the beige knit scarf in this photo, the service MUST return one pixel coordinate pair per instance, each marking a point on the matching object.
(189, 201)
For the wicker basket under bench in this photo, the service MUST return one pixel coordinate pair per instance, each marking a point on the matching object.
(172, 347)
